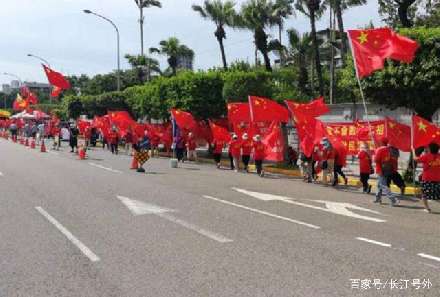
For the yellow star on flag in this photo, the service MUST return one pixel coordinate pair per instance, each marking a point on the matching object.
(422, 127)
(363, 38)
(391, 124)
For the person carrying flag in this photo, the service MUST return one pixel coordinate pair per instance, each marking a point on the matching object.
(114, 140)
(217, 146)
(365, 168)
(234, 150)
(259, 153)
(384, 169)
(191, 146)
(246, 150)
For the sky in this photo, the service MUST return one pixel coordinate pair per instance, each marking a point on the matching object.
(77, 43)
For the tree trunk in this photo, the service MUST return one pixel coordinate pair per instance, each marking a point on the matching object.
(222, 50)
(267, 61)
(340, 20)
(316, 50)
(403, 12)
(280, 33)
(141, 23)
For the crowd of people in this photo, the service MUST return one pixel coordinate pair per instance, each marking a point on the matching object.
(326, 159)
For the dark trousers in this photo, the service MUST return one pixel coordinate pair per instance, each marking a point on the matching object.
(217, 158)
(180, 153)
(259, 165)
(245, 159)
(231, 159)
(338, 171)
(364, 180)
(397, 179)
(114, 148)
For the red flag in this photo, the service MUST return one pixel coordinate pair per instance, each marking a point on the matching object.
(83, 125)
(372, 47)
(56, 78)
(425, 132)
(239, 112)
(184, 119)
(33, 99)
(56, 91)
(219, 133)
(122, 120)
(274, 143)
(315, 108)
(20, 103)
(399, 135)
(266, 110)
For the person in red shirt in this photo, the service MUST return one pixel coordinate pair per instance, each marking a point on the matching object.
(259, 154)
(114, 140)
(246, 150)
(191, 146)
(129, 140)
(217, 151)
(384, 170)
(365, 168)
(87, 135)
(328, 160)
(234, 150)
(340, 162)
(430, 175)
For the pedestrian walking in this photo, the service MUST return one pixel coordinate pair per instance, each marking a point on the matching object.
(430, 175)
(365, 168)
(217, 146)
(73, 137)
(191, 146)
(328, 161)
(128, 141)
(340, 162)
(384, 170)
(246, 150)
(259, 154)
(234, 151)
(114, 140)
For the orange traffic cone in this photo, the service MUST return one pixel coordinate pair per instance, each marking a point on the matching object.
(82, 153)
(33, 143)
(134, 163)
(43, 147)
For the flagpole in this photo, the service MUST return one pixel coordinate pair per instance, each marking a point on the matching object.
(360, 89)
(413, 151)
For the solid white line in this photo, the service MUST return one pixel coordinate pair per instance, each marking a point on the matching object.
(374, 241)
(209, 234)
(105, 168)
(429, 257)
(263, 212)
(85, 250)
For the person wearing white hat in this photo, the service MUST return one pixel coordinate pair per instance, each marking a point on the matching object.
(246, 150)
(234, 150)
(259, 154)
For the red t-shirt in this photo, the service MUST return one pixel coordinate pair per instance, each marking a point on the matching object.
(259, 150)
(128, 138)
(234, 148)
(113, 138)
(218, 147)
(329, 154)
(364, 162)
(382, 155)
(246, 147)
(431, 167)
(191, 144)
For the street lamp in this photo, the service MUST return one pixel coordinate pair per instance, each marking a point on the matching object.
(118, 75)
(39, 58)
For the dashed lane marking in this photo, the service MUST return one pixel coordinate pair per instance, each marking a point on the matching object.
(105, 168)
(373, 241)
(426, 256)
(81, 246)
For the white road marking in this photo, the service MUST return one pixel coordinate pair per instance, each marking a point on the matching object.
(105, 168)
(138, 208)
(84, 249)
(262, 212)
(331, 207)
(373, 241)
(429, 257)
(53, 153)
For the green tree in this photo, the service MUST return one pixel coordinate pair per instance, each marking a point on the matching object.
(282, 10)
(174, 51)
(141, 4)
(300, 51)
(257, 15)
(314, 10)
(222, 13)
(396, 13)
(144, 66)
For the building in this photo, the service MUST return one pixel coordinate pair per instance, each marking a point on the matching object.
(185, 63)
(324, 39)
(35, 87)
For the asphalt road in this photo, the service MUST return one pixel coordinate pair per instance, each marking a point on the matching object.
(95, 228)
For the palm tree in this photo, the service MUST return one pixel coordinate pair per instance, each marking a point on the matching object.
(300, 50)
(174, 52)
(257, 15)
(141, 4)
(282, 10)
(143, 65)
(339, 7)
(222, 13)
(313, 10)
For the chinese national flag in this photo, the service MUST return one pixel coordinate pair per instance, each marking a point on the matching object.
(372, 47)
(122, 120)
(399, 135)
(310, 132)
(315, 108)
(219, 133)
(239, 112)
(425, 132)
(56, 91)
(184, 120)
(57, 80)
(33, 99)
(20, 103)
(274, 143)
(266, 110)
